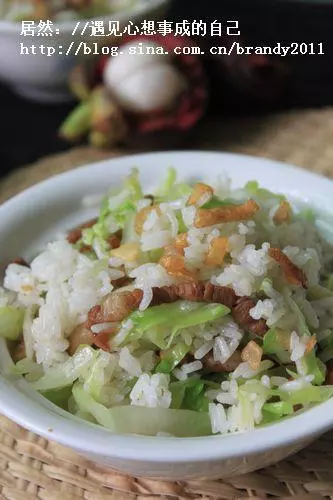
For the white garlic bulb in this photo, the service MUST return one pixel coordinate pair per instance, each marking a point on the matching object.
(142, 82)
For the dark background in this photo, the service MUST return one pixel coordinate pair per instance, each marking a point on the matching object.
(28, 130)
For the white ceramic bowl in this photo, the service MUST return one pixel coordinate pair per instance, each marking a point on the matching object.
(31, 218)
(42, 78)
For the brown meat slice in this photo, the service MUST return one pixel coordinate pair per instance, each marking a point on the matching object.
(194, 292)
(206, 292)
(257, 327)
(75, 234)
(121, 282)
(164, 295)
(83, 335)
(294, 275)
(212, 366)
(241, 314)
(94, 316)
(114, 240)
(80, 335)
(220, 294)
(116, 307)
(102, 339)
(85, 249)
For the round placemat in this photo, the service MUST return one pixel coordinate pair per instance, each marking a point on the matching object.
(32, 467)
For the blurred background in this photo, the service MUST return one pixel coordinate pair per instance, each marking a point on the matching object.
(204, 100)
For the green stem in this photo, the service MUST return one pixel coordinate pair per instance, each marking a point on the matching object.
(77, 123)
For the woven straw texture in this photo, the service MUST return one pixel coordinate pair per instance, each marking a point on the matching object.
(34, 468)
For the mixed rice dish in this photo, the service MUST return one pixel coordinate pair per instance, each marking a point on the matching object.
(191, 310)
(62, 10)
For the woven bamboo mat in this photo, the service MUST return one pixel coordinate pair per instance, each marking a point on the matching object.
(33, 468)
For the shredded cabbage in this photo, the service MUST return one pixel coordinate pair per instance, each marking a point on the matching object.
(59, 397)
(312, 364)
(117, 212)
(129, 233)
(280, 408)
(254, 189)
(324, 226)
(11, 322)
(167, 184)
(170, 190)
(303, 328)
(161, 323)
(141, 420)
(100, 372)
(182, 228)
(132, 183)
(215, 202)
(307, 395)
(327, 353)
(318, 292)
(329, 283)
(26, 366)
(277, 342)
(190, 394)
(308, 214)
(195, 398)
(66, 373)
(172, 357)
(293, 401)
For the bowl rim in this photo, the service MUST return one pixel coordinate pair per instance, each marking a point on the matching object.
(91, 439)
(66, 27)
